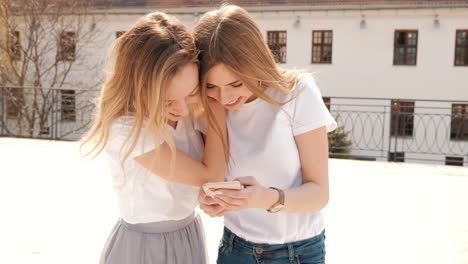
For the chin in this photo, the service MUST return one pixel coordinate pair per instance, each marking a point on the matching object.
(238, 105)
(175, 119)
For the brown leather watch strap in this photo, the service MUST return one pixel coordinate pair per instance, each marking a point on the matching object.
(281, 195)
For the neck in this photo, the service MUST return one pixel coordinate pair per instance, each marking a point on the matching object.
(251, 98)
(173, 124)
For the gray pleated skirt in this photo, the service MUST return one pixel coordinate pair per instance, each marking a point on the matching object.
(168, 242)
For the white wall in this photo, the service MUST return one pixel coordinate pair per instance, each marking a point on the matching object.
(362, 62)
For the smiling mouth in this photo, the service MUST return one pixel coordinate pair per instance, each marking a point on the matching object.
(233, 102)
(175, 115)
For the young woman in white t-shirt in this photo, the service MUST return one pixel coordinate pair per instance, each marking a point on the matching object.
(145, 127)
(277, 125)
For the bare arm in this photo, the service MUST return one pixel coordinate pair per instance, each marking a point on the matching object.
(186, 169)
(314, 193)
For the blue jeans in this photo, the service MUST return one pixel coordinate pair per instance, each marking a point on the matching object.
(235, 250)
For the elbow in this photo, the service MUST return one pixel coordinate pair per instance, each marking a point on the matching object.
(325, 200)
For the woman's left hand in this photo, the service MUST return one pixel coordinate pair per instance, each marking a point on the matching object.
(254, 195)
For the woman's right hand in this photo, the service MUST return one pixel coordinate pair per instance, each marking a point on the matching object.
(210, 206)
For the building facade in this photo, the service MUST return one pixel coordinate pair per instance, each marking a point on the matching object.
(394, 73)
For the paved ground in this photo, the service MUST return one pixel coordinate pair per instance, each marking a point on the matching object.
(56, 208)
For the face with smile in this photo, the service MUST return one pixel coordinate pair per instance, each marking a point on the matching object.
(224, 86)
(182, 91)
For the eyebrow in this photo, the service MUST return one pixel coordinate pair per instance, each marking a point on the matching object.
(231, 83)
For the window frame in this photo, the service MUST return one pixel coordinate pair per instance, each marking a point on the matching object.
(406, 47)
(276, 50)
(397, 129)
(461, 46)
(67, 51)
(321, 45)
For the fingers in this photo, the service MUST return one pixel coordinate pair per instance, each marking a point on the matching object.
(204, 199)
(232, 193)
(247, 180)
(207, 200)
(213, 210)
(240, 204)
(229, 200)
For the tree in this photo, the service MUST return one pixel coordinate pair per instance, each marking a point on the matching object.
(46, 46)
(338, 144)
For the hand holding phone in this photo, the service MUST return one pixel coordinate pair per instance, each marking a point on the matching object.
(233, 185)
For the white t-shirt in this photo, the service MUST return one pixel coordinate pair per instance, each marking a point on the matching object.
(142, 196)
(261, 142)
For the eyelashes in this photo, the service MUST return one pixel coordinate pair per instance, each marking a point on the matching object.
(233, 85)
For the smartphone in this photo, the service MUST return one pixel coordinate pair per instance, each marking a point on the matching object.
(233, 185)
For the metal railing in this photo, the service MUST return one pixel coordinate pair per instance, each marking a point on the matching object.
(401, 129)
(368, 128)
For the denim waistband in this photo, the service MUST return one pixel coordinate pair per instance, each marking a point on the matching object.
(231, 240)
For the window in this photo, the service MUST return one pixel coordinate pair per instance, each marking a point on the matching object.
(402, 118)
(322, 41)
(67, 46)
(15, 102)
(405, 47)
(396, 156)
(277, 45)
(45, 131)
(118, 34)
(14, 45)
(459, 122)
(68, 105)
(461, 48)
(455, 161)
(326, 100)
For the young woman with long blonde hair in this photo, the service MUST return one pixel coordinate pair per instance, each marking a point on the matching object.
(148, 132)
(277, 125)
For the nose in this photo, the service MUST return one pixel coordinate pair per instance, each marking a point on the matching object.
(180, 107)
(225, 96)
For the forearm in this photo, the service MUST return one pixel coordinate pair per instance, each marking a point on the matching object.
(308, 197)
(214, 157)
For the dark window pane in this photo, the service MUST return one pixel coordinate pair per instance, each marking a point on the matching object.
(462, 38)
(327, 53)
(67, 46)
(68, 105)
(401, 38)
(400, 56)
(402, 119)
(15, 102)
(459, 122)
(411, 56)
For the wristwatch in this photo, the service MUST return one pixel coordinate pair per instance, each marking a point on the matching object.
(279, 204)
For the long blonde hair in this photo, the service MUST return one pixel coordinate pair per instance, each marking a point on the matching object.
(146, 57)
(230, 36)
